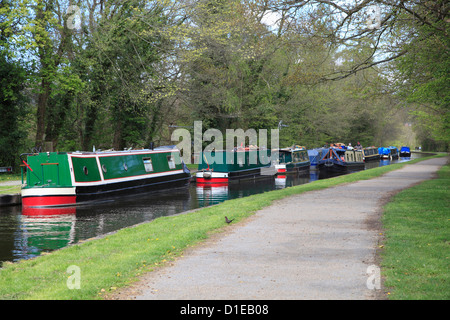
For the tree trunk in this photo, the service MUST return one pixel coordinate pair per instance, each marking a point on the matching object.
(118, 143)
(44, 94)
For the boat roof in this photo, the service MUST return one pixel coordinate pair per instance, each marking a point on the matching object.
(112, 151)
(291, 149)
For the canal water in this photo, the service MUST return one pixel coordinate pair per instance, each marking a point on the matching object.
(27, 234)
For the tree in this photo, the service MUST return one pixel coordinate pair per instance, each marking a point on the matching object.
(13, 110)
(409, 38)
(424, 71)
(13, 101)
(227, 52)
(123, 61)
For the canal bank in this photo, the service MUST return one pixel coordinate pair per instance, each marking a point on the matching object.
(317, 245)
(9, 195)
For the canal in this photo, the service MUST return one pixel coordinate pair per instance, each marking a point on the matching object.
(27, 234)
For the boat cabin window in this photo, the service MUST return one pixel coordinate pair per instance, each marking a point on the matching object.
(305, 156)
(171, 162)
(148, 164)
(358, 156)
(349, 157)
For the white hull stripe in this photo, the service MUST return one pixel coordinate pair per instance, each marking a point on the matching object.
(213, 174)
(33, 192)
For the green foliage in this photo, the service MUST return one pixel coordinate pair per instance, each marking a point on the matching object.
(13, 110)
(135, 67)
(425, 75)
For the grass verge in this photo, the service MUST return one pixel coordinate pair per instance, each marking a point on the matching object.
(416, 257)
(118, 259)
(9, 177)
(9, 189)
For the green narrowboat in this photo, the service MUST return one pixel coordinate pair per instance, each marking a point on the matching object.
(67, 178)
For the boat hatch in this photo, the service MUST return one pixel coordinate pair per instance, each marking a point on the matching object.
(148, 164)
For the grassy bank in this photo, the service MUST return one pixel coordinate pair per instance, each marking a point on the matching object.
(4, 177)
(9, 189)
(7, 177)
(118, 259)
(416, 255)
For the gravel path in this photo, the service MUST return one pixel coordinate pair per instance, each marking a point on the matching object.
(11, 183)
(316, 245)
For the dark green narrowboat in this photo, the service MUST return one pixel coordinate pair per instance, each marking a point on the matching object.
(292, 160)
(221, 167)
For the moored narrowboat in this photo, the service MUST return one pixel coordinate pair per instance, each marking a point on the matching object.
(388, 152)
(405, 152)
(315, 155)
(371, 153)
(342, 160)
(292, 160)
(222, 167)
(69, 178)
(393, 151)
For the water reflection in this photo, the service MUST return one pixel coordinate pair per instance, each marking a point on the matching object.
(29, 233)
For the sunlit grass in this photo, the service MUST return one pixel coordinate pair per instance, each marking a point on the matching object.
(416, 256)
(10, 177)
(7, 177)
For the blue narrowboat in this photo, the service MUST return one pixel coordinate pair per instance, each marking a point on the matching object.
(384, 152)
(315, 155)
(405, 152)
(388, 153)
(341, 160)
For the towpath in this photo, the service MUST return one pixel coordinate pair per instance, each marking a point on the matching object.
(317, 245)
(11, 183)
